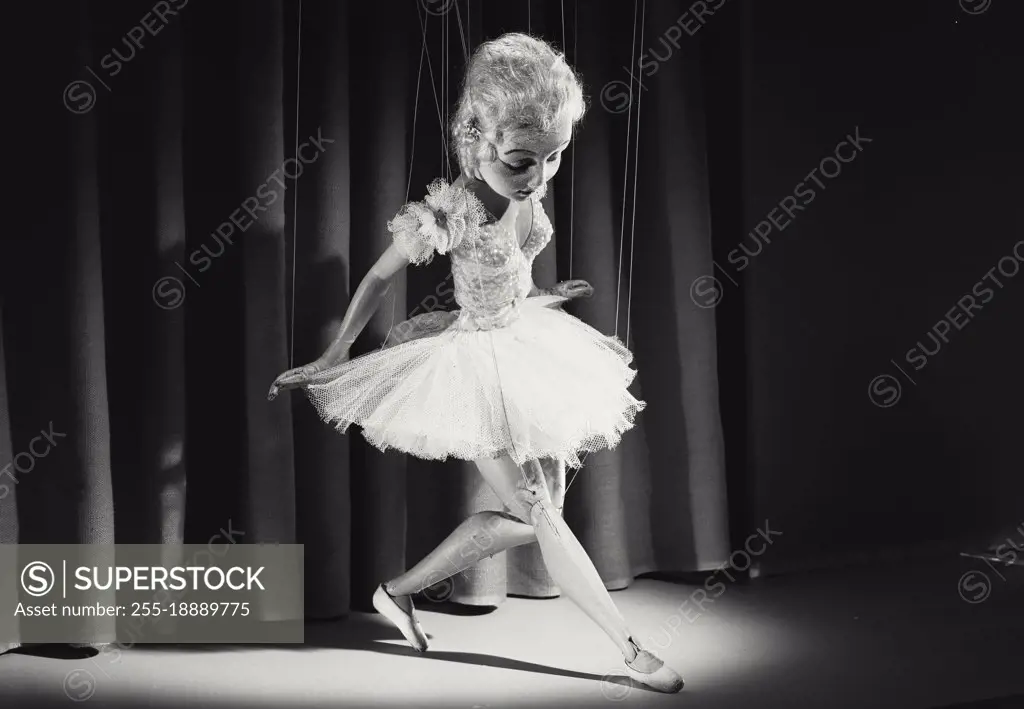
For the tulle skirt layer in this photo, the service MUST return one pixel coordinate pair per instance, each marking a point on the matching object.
(546, 385)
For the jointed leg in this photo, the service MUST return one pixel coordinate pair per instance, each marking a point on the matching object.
(527, 496)
(487, 533)
(480, 536)
(525, 493)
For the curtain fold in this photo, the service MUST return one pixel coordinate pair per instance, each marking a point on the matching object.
(202, 226)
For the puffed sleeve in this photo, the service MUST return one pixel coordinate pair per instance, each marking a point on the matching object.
(444, 219)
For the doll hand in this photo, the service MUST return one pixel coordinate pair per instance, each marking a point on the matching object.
(300, 376)
(572, 289)
(293, 378)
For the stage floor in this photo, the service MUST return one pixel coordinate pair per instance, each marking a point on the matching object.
(897, 636)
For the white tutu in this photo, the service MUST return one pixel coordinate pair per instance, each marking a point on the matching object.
(545, 385)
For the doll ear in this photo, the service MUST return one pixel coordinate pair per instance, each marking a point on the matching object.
(470, 164)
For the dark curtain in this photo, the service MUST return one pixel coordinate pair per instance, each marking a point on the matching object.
(145, 312)
(871, 411)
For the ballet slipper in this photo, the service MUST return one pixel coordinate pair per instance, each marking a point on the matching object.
(407, 623)
(663, 679)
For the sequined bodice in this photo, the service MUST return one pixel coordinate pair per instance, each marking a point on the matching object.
(493, 273)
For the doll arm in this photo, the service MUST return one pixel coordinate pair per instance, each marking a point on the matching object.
(567, 289)
(364, 304)
(440, 222)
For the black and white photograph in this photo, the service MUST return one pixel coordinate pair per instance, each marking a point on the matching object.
(497, 354)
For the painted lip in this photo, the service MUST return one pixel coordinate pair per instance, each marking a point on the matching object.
(524, 193)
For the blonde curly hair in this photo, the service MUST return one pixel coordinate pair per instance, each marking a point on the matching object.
(516, 82)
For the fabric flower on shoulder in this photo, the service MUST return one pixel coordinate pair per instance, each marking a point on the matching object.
(445, 217)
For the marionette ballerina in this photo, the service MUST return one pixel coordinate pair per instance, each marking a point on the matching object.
(509, 381)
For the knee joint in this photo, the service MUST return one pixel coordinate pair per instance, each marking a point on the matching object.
(522, 505)
(529, 497)
(535, 505)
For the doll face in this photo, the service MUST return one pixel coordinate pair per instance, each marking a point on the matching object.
(526, 161)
